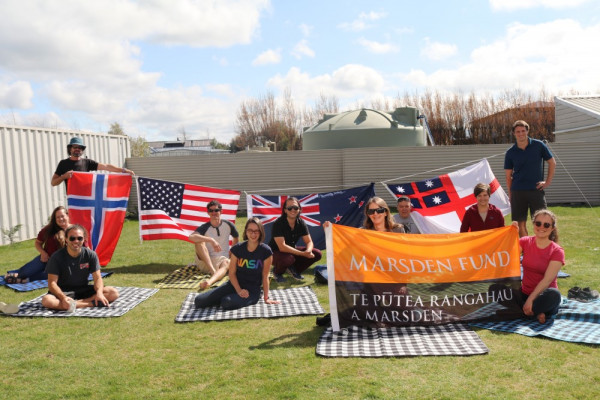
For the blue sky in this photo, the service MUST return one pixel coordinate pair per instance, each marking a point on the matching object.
(158, 66)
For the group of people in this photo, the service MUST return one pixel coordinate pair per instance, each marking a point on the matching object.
(66, 261)
(64, 258)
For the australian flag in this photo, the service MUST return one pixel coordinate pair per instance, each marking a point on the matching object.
(344, 207)
(98, 202)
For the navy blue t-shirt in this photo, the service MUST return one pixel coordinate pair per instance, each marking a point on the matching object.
(73, 272)
(250, 265)
(527, 164)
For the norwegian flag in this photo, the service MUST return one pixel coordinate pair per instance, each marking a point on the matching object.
(98, 202)
(439, 204)
(343, 207)
(172, 210)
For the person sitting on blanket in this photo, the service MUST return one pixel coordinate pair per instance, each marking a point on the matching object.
(68, 270)
(251, 261)
(287, 230)
(50, 239)
(211, 242)
(482, 215)
(542, 260)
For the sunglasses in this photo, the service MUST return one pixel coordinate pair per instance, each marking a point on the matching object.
(214, 210)
(372, 211)
(77, 147)
(539, 224)
(290, 208)
(74, 238)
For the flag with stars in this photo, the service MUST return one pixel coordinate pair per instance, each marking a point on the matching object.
(98, 202)
(173, 210)
(343, 207)
(439, 204)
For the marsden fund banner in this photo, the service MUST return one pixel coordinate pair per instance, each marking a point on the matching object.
(379, 279)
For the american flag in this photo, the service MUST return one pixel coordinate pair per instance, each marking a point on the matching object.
(344, 207)
(172, 210)
(439, 203)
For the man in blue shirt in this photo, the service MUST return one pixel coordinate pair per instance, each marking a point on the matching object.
(523, 164)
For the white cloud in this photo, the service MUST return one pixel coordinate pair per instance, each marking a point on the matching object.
(377, 47)
(512, 5)
(438, 51)
(17, 95)
(348, 81)
(268, 57)
(557, 56)
(361, 23)
(305, 29)
(302, 49)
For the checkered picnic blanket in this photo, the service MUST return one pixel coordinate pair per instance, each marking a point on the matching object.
(129, 297)
(437, 340)
(34, 285)
(188, 277)
(575, 322)
(294, 301)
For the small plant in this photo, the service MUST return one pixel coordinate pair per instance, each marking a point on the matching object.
(11, 232)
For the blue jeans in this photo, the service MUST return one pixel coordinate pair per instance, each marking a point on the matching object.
(226, 297)
(35, 270)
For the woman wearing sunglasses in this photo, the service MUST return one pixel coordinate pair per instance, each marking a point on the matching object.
(287, 231)
(482, 215)
(249, 266)
(542, 259)
(379, 218)
(50, 239)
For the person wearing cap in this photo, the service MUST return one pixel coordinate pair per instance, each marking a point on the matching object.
(76, 162)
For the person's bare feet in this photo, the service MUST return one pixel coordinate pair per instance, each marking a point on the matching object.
(541, 318)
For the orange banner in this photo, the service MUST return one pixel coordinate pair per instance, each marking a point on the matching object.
(366, 256)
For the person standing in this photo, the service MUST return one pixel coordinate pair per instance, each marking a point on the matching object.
(76, 162)
(404, 216)
(523, 165)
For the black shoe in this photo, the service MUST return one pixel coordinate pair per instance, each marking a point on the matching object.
(324, 320)
(574, 293)
(295, 274)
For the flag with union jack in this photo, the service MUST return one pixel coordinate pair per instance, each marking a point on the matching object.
(98, 202)
(439, 204)
(173, 210)
(344, 207)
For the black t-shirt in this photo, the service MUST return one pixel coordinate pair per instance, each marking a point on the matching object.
(291, 236)
(81, 165)
(250, 265)
(73, 272)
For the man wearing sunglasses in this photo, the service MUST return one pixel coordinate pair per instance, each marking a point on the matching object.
(404, 216)
(77, 162)
(68, 271)
(523, 165)
(211, 242)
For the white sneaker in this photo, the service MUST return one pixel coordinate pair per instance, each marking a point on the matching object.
(9, 308)
(72, 306)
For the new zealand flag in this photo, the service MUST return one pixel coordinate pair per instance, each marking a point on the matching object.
(344, 207)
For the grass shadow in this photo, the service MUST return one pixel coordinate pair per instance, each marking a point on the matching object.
(292, 340)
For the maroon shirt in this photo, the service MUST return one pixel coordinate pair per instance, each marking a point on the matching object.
(472, 220)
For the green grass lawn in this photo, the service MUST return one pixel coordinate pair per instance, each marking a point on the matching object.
(145, 354)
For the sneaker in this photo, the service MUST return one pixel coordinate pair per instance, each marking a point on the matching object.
(9, 308)
(279, 278)
(295, 274)
(72, 306)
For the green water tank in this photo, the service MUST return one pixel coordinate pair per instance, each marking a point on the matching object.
(366, 128)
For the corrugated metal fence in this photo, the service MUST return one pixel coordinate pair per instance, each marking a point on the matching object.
(28, 158)
(576, 180)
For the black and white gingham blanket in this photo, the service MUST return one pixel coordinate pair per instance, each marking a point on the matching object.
(575, 322)
(129, 297)
(294, 301)
(438, 340)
